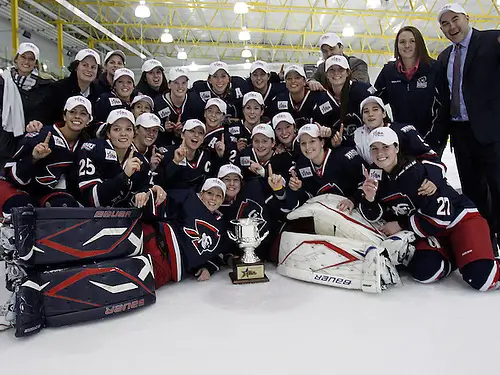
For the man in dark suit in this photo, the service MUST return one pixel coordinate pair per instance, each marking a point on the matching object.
(470, 94)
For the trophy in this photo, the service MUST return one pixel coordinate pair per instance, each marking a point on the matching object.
(249, 268)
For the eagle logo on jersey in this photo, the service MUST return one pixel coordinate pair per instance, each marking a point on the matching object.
(53, 174)
(205, 237)
(400, 204)
(250, 209)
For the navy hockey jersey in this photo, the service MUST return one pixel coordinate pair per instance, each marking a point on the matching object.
(48, 174)
(101, 177)
(397, 199)
(106, 103)
(189, 174)
(195, 236)
(281, 163)
(273, 90)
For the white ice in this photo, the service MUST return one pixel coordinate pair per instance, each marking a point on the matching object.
(281, 327)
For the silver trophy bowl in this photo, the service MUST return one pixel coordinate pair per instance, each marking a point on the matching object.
(247, 236)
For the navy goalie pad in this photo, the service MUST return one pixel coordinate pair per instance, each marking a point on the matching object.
(78, 294)
(49, 236)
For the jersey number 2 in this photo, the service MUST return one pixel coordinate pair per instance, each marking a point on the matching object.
(86, 167)
(444, 206)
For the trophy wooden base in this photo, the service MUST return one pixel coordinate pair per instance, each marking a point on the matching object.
(248, 273)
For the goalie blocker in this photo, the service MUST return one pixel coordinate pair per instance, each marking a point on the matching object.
(71, 295)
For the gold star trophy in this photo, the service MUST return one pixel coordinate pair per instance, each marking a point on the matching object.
(248, 268)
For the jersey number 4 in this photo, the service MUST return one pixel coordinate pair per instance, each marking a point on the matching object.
(86, 167)
(444, 206)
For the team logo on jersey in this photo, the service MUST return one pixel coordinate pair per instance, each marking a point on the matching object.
(305, 172)
(250, 209)
(282, 104)
(31, 135)
(400, 204)
(351, 154)
(54, 173)
(111, 155)
(114, 102)
(58, 141)
(205, 237)
(88, 146)
(325, 108)
(205, 95)
(238, 93)
(165, 112)
(245, 161)
(234, 130)
(372, 90)
(407, 128)
(422, 83)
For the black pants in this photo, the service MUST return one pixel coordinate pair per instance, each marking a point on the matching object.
(479, 170)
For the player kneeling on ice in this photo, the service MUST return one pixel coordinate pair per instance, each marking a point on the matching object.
(192, 240)
(451, 231)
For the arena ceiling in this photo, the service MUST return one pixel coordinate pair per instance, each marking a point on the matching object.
(280, 30)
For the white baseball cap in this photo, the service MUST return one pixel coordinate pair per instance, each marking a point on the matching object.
(214, 182)
(175, 73)
(193, 123)
(259, 64)
(311, 129)
(217, 65)
(28, 47)
(283, 116)
(453, 7)
(295, 68)
(144, 98)
(123, 72)
(372, 99)
(75, 101)
(264, 129)
(253, 95)
(115, 52)
(336, 60)
(227, 169)
(117, 114)
(150, 64)
(149, 120)
(88, 52)
(330, 39)
(384, 134)
(219, 103)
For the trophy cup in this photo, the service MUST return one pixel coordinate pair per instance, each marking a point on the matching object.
(249, 268)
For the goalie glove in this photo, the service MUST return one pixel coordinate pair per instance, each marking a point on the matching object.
(400, 247)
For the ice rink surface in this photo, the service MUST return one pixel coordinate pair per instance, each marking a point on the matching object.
(281, 327)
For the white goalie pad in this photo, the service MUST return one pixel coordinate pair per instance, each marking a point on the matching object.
(331, 221)
(336, 261)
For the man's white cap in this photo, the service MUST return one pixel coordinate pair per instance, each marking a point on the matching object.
(28, 47)
(217, 65)
(264, 129)
(117, 114)
(175, 73)
(372, 99)
(123, 72)
(336, 60)
(253, 95)
(283, 116)
(383, 134)
(259, 64)
(149, 120)
(75, 101)
(193, 123)
(88, 52)
(295, 68)
(330, 39)
(453, 7)
(144, 98)
(214, 182)
(219, 103)
(115, 52)
(227, 169)
(150, 64)
(311, 129)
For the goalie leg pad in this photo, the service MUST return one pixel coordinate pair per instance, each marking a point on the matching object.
(72, 295)
(49, 236)
(331, 221)
(335, 261)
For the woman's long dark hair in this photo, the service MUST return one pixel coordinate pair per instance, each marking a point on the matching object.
(421, 48)
(144, 82)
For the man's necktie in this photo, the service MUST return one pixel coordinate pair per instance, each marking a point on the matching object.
(455, 85)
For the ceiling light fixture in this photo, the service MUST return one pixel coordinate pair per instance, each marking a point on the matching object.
(246, 53)
(373, 4)
(240, 7)
(142, 10)
(244, 35)
(193, 67)
(166, 37)
(348, 31)
(182, 55)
